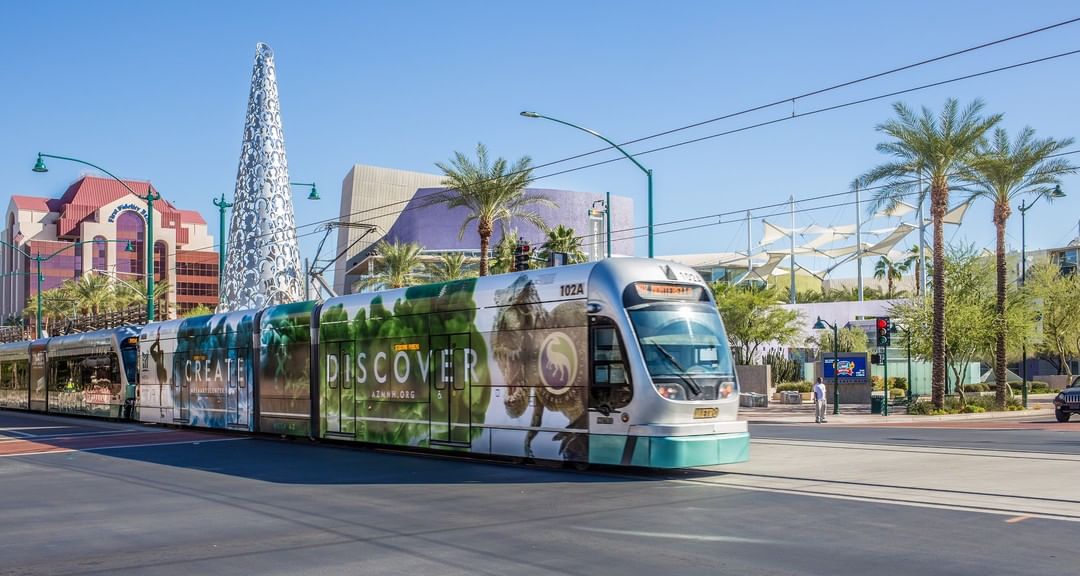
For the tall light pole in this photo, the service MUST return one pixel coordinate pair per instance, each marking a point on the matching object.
(222, 206)
(821, 325)
(648, 173)
(150, 197)
(1024, 207)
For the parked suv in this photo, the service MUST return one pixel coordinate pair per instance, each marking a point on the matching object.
(1067, 402)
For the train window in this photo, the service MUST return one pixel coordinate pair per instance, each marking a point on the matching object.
(610, 387)
(63, 375)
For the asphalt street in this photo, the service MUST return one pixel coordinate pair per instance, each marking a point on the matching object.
(86, 497)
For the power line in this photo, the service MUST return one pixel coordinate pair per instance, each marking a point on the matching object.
(793, 99)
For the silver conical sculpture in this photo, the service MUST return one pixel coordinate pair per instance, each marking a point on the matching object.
(263, 258)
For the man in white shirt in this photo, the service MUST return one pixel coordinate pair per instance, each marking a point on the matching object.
(819, 401)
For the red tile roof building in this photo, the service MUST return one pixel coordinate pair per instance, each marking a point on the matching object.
(95, 208)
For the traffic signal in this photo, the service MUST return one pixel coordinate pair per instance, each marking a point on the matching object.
(521, 255)
(885, 330)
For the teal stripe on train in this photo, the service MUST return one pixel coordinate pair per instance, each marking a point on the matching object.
(669, 451)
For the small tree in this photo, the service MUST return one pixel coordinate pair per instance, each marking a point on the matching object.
(452, 266)
(563, 239)
(1057, 298)
(852, 339)
(753, 317)
(970, 317)
(890, 271)
(399, 265)
(200, 310)
(502, 258)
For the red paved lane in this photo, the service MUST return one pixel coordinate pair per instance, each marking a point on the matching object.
(44, 445)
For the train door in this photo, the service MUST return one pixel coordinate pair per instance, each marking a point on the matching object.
(346, 391)
(235, 388)
(453, 362)
(331, 389)
(39, 396)
(181, 392)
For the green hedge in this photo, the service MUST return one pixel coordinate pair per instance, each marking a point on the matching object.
(804, 387)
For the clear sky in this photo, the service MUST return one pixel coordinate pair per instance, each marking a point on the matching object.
(158, 90)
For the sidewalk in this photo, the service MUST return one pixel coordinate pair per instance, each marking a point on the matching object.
(1039, 405)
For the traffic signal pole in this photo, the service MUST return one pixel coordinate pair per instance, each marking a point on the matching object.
(885, 387)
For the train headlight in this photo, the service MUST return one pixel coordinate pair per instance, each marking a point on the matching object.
(670, 391)
(725, 389)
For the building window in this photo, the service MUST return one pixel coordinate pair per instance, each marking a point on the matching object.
(161, 261)
(130, 227)
(196, 269)
(196, 289)
(101, 254)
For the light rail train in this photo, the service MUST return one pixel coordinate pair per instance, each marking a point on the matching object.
(617, 362)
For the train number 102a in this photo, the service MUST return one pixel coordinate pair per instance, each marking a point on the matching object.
(572, 289)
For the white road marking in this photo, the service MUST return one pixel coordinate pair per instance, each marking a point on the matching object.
(674, 536)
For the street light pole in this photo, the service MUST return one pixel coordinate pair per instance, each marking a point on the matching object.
(821, 325)
(1024, 207)
(648, 173)
(222, 205)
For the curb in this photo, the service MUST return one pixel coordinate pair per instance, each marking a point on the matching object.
(802, 418)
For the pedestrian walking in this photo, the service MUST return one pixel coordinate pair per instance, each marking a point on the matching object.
(819, 401)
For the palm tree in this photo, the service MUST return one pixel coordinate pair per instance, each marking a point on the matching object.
(564, 239)
(400, 265)
(502, 258)
(934, 149)
(492, 192)
(1000, 172)
(452, 266)
(92, 292)
(912, 261)
(891, 271)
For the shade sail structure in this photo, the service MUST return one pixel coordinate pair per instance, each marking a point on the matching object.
(899, 210)
(882, 247)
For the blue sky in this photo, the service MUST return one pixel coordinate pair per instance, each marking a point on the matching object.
(158, 91)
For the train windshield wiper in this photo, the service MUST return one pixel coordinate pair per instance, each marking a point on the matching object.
(693, 386)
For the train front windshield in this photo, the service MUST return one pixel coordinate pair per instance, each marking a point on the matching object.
(685, 349)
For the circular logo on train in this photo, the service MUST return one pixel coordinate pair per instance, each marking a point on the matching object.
(558, 363)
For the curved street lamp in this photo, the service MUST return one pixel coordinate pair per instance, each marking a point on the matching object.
(647, 172)
(149, 198)
(1024, 207)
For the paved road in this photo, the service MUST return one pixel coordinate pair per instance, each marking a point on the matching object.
(1027, 433)
(85, 497)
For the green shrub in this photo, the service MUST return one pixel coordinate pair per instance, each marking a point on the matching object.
(804, 387)
(784, 369)
(898, 382)
(896, 392)
(972, 409)
(1035, 387)
(917, 408)
(972, 388)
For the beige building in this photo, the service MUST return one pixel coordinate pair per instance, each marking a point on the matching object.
(372, 196)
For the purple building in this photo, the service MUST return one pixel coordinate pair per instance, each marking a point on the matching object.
(436, 228)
